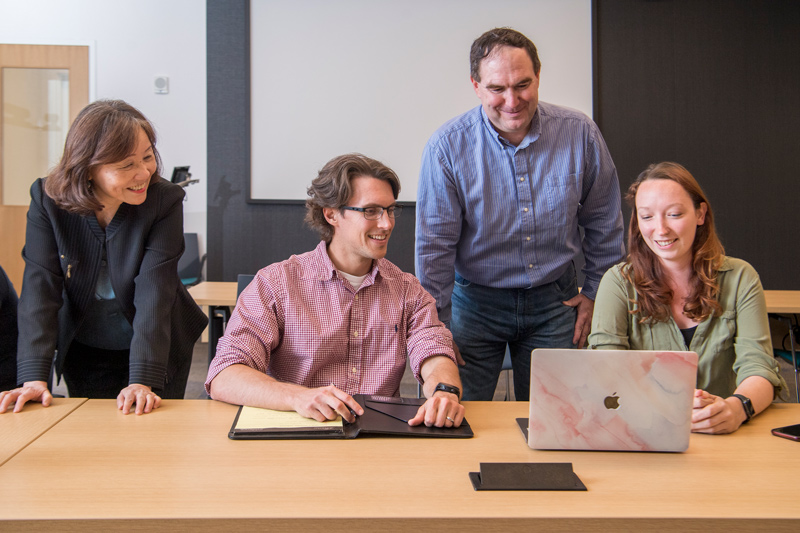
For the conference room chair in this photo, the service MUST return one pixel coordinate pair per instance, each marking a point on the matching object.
(190, 265)
(790, 354)
(242, 281)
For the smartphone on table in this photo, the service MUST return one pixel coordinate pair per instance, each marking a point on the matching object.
(788, 432)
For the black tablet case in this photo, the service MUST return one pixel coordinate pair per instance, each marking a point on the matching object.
(382, 416)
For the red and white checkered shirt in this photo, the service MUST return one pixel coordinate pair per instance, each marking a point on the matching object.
(301, 322)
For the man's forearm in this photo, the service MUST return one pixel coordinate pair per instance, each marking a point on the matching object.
(241, 385)
(438, 369)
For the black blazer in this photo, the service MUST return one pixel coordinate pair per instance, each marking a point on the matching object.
(63, 252)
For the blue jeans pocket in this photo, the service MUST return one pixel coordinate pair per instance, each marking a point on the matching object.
(567, 283)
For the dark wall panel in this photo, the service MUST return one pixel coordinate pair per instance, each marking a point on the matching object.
(713, 85)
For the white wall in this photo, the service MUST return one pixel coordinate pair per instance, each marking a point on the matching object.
(132, 42)
(380, 76)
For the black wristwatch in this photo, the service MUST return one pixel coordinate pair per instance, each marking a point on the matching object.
(452, 389)
(749, 412)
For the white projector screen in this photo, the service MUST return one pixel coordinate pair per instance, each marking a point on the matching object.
(380, 76)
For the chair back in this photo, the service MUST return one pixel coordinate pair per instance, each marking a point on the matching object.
(243, 281)
(190, 265)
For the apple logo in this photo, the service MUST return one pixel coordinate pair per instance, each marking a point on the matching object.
(611, 402)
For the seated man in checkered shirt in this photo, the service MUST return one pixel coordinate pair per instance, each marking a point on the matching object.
(310, 331)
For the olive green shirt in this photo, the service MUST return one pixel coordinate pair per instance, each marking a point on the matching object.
(730, 347)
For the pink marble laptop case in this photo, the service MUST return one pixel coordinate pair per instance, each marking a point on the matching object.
(611, 400)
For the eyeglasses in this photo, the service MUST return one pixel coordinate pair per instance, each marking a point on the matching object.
(375, 213)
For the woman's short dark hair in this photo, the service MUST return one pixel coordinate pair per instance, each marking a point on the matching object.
(484, 45)
(105, 131)
(333, 187)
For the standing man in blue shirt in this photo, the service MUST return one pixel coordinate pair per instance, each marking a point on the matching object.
(504, 192)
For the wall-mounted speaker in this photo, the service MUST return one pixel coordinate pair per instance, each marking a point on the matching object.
(161, 85)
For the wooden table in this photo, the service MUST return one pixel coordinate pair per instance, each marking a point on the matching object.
(783, 301)
(780, 304)
(18, 430)
(223, 293)
(176, 469)
(214, 293)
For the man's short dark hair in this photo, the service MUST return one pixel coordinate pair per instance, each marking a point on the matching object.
(498, 37)
(333, 187)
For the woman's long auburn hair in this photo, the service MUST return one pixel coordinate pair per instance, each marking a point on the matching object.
(644, 270)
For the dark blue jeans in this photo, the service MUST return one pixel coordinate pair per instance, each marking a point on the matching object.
(484, 320)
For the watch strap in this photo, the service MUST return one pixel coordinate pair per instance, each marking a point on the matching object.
(452, 389)
(747, 405)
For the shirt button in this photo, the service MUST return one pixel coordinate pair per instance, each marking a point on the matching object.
(526, 209)
(354, 370)
(522, 179)
(530, 266)
(355, 297)
(355, 334)
(527, 238)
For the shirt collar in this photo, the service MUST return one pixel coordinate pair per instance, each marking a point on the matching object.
(532, 135)
(325, 271)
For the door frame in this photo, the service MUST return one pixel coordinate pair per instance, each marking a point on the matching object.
(79, 60)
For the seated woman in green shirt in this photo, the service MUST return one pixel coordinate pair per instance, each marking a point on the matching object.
(678, 291)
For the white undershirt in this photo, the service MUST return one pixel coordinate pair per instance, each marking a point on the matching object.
(355, 281)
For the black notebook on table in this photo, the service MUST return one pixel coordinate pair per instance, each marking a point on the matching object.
(382, 416)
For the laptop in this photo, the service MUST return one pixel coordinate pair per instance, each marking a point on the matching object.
(613, 400)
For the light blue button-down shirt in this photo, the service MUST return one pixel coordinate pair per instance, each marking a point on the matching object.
(508, 216)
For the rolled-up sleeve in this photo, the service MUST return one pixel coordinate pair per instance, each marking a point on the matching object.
(427, 336)
(253, 331)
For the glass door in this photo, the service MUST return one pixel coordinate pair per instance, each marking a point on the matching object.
(42, 89)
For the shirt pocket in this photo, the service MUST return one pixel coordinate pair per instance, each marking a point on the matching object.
(720, 338)
(562, 202)
(386, 341)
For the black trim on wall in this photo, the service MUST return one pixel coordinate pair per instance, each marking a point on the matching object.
(713, 85)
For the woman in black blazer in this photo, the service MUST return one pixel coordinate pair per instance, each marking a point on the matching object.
(101, 297)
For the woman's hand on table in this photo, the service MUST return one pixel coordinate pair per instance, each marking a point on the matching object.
(31, 391)
(139, 395)
(716, 415)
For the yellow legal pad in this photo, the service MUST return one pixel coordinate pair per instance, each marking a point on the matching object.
(256, 418)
